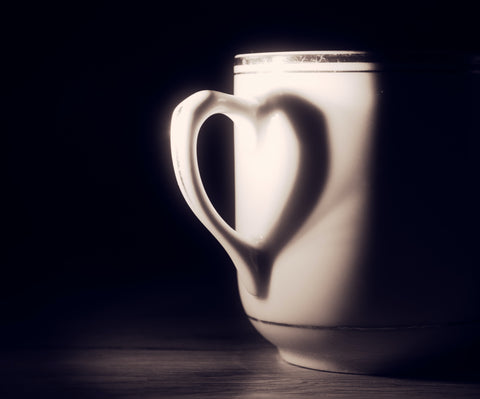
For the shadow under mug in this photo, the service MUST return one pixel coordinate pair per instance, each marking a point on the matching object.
(356, 209)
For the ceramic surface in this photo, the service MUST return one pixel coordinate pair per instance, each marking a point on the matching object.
(355, 201)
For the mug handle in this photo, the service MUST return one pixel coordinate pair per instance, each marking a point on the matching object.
(187, 119)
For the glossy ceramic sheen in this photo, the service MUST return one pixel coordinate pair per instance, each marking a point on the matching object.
(355, 203)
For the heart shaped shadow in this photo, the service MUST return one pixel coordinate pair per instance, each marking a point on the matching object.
(310, 130)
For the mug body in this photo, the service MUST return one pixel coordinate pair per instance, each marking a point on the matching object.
(372, 169)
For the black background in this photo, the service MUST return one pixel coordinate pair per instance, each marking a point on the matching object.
(93, 224)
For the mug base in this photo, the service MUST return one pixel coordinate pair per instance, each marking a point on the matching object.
(389, 350)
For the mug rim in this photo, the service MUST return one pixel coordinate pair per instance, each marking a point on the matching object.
(354, 61)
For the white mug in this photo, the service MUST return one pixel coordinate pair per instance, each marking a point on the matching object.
(353, 203)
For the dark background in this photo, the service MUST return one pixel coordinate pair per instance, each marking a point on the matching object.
(93, 224)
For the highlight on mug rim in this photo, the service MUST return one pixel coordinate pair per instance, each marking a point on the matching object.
(353, 61)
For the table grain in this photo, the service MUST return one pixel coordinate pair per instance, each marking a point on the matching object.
(189, 359)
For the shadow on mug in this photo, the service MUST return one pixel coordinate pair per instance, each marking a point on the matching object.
(310, 131)
(424, 208)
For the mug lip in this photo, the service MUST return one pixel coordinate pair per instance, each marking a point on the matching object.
(354, 61)
(305, 56)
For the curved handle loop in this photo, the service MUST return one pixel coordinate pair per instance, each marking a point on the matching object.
(187, 120)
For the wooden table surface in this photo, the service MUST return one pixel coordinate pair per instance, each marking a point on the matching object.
(191, 358)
